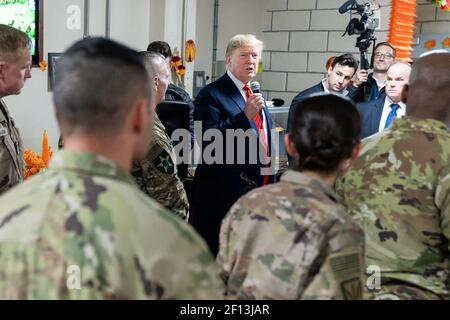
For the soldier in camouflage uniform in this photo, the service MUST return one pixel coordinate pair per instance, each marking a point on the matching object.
(15, 64)
(399, 191)
(292, 240)
(156, 174)
(82, 229)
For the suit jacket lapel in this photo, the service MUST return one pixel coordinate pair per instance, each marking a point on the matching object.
(232, 92)
(377, 110)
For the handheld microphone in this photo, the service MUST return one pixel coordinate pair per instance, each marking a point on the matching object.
(255, 86)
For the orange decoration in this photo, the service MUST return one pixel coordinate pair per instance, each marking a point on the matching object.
(176, 61)
(181, 70)
(46, 151)
(43, 65)
(35, 163)
(401, 30)
(430, 44)
(191, 50)
(446, 43)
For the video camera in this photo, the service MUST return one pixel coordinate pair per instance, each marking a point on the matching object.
(363, 26)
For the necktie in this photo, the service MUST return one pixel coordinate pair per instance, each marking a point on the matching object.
(259, 124)
(392, 115)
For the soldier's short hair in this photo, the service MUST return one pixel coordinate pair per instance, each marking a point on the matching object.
(154, 62)
(241, 40)
(99, 80)
(346, 59)
(12, 41)
(325, 129)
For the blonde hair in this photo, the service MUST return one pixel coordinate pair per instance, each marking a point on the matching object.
(241, 40)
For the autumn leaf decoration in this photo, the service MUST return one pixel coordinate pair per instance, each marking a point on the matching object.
(430, 44)
(442, 4)
(177, 65)
(43, 65)
(35, 163)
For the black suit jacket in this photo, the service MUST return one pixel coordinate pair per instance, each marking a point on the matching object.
(220, 106)
(371, 112)
(300, 97)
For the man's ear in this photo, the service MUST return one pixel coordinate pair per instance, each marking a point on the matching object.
(228, 60)
(3, 66)
(356, 150)
(156, 83)
(138, 116)
(290, 147)
(405, 93)
(330, 69)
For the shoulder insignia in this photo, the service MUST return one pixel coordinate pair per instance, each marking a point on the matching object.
(163, 162)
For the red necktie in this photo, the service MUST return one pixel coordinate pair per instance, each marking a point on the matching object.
(262, 134)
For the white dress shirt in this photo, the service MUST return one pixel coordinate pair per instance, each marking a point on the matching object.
(387, 108)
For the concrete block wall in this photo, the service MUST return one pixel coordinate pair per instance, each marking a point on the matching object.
(300, 35)
(431, 19)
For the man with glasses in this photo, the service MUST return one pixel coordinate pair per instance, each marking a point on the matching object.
(368, 87)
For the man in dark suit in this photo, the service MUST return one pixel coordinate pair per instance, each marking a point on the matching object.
(226, 105)
(339, 76)
(378, 114)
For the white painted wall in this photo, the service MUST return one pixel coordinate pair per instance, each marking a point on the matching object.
(33, 108)
(235, 16)
(238, 16)
(157, 12)
(204, 36)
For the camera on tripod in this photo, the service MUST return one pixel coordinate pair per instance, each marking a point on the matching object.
(364, 27)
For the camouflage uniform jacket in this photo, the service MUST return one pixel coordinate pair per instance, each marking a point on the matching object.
(291, 240)
(84, 223)
(156, 175)
(11, 151)
(399, 191)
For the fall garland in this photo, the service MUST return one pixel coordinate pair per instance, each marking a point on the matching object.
(401, 29)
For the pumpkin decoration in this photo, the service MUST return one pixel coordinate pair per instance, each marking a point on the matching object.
(401, 29)
(191, 51)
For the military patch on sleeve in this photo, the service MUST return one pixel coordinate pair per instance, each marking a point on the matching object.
(346, 269)
(163, 162)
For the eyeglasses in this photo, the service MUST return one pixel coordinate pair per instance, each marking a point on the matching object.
(385, 55)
